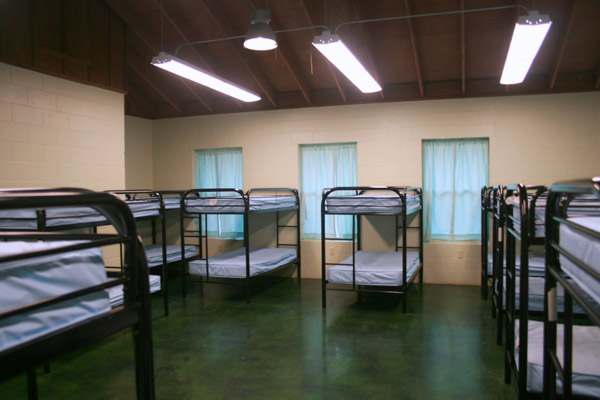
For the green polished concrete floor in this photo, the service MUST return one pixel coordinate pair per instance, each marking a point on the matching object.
(283, 346)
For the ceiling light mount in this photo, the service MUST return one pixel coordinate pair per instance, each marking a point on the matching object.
(260, 36)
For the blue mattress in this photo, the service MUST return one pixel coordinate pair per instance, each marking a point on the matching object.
(370, 203)
(155, 257)
(115, 293)
(584, 248)
(537, 265)
(586, 353)
(536, 296)
(233, 264)
(25, 218)
(172, 203)
(375, 268)
(216, 205)
(145, 208)
(28, 281)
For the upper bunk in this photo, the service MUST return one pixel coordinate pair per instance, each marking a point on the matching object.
(172, 199)
(527, 203)
(235, 201)
(371, 200)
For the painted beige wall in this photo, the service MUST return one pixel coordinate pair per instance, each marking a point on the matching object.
(533, 139)
(55, 132)
(138, 153)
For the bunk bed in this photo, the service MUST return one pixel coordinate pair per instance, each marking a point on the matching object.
(498, 211)
(52, 286)
(150, 205)
(369, 271)
(571, 352)
(245, 264)
(486, 256)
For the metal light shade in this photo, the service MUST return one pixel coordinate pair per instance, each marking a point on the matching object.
(260, 36)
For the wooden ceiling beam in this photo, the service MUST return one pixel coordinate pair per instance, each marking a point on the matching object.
(124, 14)
(463, 51)
(283, 47)
(368, 52)
(142, 69)
(563, 44)
(414, 49)
(331, 70)
(228, 30)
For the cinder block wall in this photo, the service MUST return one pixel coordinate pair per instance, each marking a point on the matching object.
(533, 139)
(55, 132)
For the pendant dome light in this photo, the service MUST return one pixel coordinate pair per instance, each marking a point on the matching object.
(260, 36)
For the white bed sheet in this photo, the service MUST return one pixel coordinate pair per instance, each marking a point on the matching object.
(233, 264)
(172, 203)
(370, 203)
(27, 281)
(585, 249)
(146, 208)
(116, 296)
(236, 204)
(375, 268)
(155, 257)
(586, 353)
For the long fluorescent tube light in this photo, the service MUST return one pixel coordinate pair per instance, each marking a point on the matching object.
(332, 47)
(177, 66)
(527, 39)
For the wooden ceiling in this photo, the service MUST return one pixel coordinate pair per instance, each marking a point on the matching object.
(450, 56)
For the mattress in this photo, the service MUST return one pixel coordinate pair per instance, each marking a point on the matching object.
(536, 296)
(370, 203)
(236, 204)
(25, 218)
(144, 208)
(115, 293)
(584, 248)
(537, 265)
(233, 263)
(586, 353)
(540, 217)
(375, 268)
(155, 257)
(172, 203)
(31, 280)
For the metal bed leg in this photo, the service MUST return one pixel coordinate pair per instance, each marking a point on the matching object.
(32, 392)
(404, 302)
(248, 292)
(46, 368)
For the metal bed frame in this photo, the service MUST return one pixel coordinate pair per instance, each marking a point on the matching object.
(203, 248)
(498, 234)
(134, 313)
(486, 278)
(527, 238)
(560, 196)
(357, 243)
(151, 196)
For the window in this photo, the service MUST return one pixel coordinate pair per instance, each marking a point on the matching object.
(221, 168)
(325, 166)
(454, 171)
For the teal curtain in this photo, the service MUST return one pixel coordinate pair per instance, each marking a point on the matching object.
(454, 171)
(325, 166)
(221, 168)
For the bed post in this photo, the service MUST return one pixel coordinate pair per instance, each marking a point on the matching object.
(404, 245)
(323, 253)
(246, 244)
(421, 259)
(298, 238)
(32, 392)
(165, 272)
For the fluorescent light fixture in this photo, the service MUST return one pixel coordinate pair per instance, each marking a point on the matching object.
(332, 47)
(260, 36)
(177, 66)
(527, 39)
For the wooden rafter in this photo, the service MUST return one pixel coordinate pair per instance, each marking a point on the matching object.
(331, 70)
(117, 7)
(563, 44)
(414, 49)
(463, 51)
(368, 51)
(228, 30)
